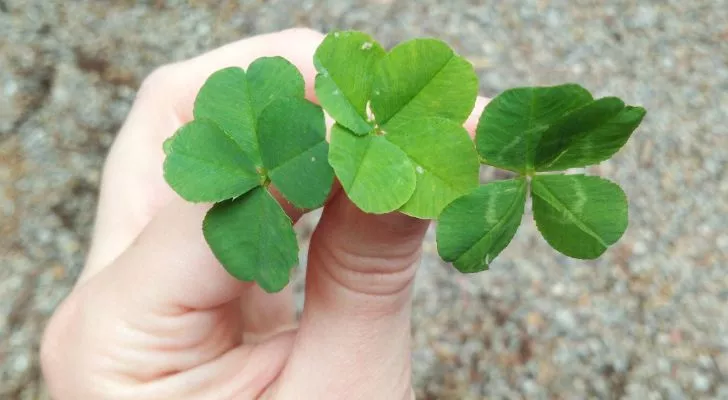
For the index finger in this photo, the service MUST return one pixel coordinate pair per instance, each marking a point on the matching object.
(133, 188)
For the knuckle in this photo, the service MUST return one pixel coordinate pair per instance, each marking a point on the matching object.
(369, 275)
(157, 82)
(53, 338)
(303, 33)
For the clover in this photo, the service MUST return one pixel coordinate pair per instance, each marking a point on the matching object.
(398, 143)
(535, 131)
(251, 129)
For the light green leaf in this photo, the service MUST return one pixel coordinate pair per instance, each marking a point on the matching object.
(293, 147)
(344, 61)
(445, 160)
(579, 215)
(512, 123)
(253, 239)
(224, 98)
(376, 175)
(475, 228)
(588, 135)
(204, 164)
(423, 77)
(271, 78)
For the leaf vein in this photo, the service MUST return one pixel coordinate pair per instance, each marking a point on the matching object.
(419, 92)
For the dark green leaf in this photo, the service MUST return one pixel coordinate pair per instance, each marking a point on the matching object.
(423, 78)
(589, 135)
(376, 175)
(224, 98)
(271, 78)
(204, 164)
(445, 161)
(253, 239)
(345, 61)
(579, 215)
(475, 228)
(512, 123)
(293, 147)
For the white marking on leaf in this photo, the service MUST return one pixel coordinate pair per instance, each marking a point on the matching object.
(313, 159)
(513, 143)
(490, 212)
(420, 170)
(580, 197)
(336, 34)
(366, 45)
(336, 92)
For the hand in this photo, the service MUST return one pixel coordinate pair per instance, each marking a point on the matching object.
(154, 316)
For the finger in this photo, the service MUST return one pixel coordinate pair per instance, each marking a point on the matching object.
(356, 320)
(355, 324)
(133, 187)
(170, 266)
(471, 123)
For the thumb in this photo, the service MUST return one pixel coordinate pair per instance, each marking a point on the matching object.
(355, 326)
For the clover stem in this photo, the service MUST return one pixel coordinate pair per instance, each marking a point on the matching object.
(263, 175)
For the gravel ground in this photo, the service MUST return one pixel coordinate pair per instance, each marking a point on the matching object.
(646, 321)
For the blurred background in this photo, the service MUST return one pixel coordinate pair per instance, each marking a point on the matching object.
(648, 320)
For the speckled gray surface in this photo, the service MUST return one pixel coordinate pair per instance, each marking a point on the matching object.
(647, 320)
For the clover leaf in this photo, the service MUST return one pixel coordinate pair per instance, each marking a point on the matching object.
(253, 239)
(512, 123)
(476, 227)
(294, 151)
(365, 165)
(391, 110)
(423, 77)
(204, 164)
(587, 135)
(579, 215)
(345, 61)
(442, 176)
(250, 129)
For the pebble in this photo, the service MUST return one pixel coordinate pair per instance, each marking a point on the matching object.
(701, 382)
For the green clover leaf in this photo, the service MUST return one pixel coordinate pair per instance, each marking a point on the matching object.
(422, 78)
(204, 164)
(292, 137)
(442, 176)
(475, 228)
(365, 165)
(587, 135)
(253, 239)
(579, 215)
(512, 123)
(345, 61)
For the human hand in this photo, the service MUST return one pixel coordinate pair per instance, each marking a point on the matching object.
(154, 315)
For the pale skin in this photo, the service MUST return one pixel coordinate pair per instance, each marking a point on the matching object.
(154, 315)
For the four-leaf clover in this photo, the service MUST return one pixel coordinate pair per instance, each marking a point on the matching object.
(398, 142)
(533, 131)
(252, 129)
